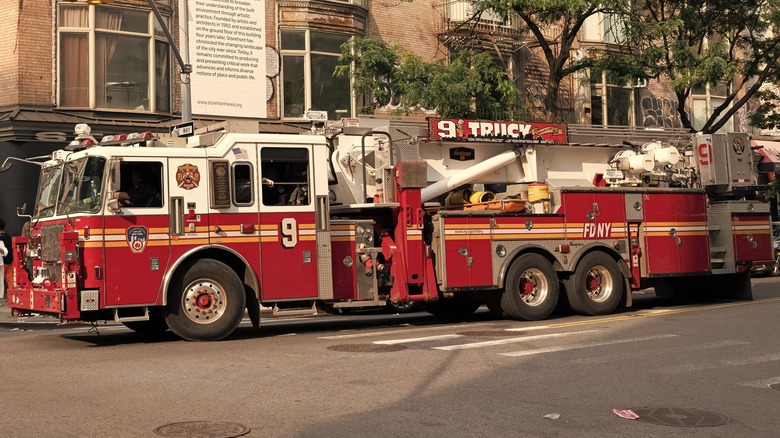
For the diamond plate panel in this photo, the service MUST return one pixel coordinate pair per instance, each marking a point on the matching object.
(90, 300)
(324, 267)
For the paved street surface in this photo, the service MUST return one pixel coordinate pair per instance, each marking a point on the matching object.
(376, 375)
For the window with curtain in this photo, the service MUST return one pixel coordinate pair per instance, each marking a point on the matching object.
(112, 58)
(308, 61)
(705, 100)
(611, 103)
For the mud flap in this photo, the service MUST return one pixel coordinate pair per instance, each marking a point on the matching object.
(252, 307)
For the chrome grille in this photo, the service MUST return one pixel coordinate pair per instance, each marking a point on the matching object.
(50, 242)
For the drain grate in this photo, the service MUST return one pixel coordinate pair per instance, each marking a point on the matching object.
(493, 333)
(202, 429)
(366, 348)
(680, 417)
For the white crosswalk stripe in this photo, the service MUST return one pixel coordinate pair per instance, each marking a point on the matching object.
(585, 345)
(692, 367)
(764, 383)
(510, 341)
(412, 340)
(645, 353)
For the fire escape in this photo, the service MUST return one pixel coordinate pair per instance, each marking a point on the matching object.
(464, 27)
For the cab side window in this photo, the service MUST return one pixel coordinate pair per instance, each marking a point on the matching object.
(285, 176)
(141, 184)
(243, 188)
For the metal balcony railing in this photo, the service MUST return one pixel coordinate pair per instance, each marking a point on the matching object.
(460, 11)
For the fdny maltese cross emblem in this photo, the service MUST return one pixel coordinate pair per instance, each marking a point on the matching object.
(137, 238)
(188, 176)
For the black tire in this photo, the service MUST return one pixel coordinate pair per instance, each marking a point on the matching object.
(205, 302)
(459, 306)
(408, 307)
(596, 286)
(493, 303)
(531, 289)
(154, 326)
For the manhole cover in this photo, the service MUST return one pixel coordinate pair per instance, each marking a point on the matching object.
(202, 429)
(492, 333)
(775, 386)
(366, 348)
(681, 417)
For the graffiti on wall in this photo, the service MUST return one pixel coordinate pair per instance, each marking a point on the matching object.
(659, 112)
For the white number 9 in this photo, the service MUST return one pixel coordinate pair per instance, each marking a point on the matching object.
(289, 232)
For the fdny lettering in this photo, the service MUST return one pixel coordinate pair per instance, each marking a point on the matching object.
(596, 231)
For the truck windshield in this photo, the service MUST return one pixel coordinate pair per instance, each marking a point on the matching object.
(82, 185)
(73, 187)
(48, 191)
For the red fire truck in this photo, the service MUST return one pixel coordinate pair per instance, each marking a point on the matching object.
(187, 234)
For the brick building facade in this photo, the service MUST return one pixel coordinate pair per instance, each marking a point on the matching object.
(67, 62)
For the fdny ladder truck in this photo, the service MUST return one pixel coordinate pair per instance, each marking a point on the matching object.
(189, 234)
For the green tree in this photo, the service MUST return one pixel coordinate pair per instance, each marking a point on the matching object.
(470, 85)
(767, 115)
(555, 26)
(696, 44)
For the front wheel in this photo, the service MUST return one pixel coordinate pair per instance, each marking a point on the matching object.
(205, 302)
(596, 286)
(531, 289)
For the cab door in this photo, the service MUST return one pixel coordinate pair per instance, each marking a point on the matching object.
(288, 237)
(136, 237)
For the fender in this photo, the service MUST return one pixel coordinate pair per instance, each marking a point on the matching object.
(250, 278)
(517, 252)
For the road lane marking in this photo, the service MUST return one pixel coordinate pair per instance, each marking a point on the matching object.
(683, 349)
(509, 341)
(412, 340)
(528, 329)
(400, 329)
(765, 383)
(585, 345)
(649, 313)
(693, 367)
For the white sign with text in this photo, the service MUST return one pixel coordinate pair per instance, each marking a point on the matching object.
(227, 53)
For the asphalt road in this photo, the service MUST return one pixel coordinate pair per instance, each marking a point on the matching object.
(713, 363)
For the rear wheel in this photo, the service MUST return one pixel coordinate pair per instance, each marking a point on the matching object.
(493, 303)
(206, 302)
(458, 307)
(596, 286)
(531, 288)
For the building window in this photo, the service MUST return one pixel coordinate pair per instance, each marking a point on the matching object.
(605, 28)
(610, 103)
(308, 60)
(112, 58)
(705, 100)
(243, 189)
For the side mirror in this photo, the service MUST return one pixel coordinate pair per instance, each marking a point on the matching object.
(20, 210)
(6, 165)
(113, 205)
